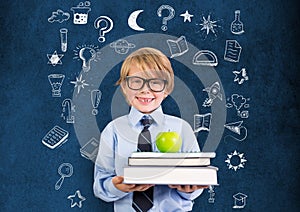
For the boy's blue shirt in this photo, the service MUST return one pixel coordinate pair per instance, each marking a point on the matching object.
(119, 139)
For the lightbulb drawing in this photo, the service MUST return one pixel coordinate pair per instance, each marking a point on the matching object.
(67, 109)
(56, 81)
(87, 54)
(95, 98)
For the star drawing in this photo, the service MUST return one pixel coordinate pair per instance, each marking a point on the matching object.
(54, 58)
(208, 25)
(240, 76)
(186, 16)
(235, 166)
(76, 199)
(79, 83)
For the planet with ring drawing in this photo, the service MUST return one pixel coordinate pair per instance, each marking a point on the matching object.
(122, 46)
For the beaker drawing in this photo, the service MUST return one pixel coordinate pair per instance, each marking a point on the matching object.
(56, 81)
(237, 27)
(81, 12)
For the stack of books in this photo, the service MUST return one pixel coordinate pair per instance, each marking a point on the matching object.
(171, 168)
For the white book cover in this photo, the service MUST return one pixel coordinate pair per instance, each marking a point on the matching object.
(171, 175)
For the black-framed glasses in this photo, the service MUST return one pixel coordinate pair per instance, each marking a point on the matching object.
(137, 83)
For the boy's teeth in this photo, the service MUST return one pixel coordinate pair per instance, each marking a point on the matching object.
(145, 100)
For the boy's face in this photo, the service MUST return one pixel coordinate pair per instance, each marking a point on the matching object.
(145, 100)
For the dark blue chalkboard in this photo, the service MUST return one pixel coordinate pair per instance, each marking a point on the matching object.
(270, 55)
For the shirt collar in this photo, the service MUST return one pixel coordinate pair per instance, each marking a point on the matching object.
(135, 116)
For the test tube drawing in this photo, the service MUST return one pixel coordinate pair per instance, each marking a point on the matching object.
(64, 39)
(95, 97)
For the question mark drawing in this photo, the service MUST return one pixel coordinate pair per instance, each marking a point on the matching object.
(109, 24)
(165, 19)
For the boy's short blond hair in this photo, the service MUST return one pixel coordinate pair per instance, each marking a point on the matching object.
(149, 59)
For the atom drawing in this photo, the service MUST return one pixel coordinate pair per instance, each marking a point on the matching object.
(235, 160)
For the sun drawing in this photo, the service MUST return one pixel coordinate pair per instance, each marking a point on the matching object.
(235, 160)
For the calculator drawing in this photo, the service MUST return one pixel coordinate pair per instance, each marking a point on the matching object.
(55, 137)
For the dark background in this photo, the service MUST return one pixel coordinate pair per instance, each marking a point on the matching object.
(28, 169)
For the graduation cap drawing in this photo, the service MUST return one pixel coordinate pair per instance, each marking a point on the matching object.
(205, 58)
(239, 200)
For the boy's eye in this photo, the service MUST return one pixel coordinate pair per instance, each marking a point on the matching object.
(137, 81)
(156, 82)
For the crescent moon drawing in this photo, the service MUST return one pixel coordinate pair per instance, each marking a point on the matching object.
(132, 20)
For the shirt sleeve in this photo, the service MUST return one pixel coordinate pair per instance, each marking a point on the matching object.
(190, 196)
(105, 168)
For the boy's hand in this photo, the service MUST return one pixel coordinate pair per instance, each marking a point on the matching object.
(188, 188)
(118, 183)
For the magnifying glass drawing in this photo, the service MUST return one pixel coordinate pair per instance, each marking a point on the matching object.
(64, 170)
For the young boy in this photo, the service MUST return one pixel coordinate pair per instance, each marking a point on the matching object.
(146, 79)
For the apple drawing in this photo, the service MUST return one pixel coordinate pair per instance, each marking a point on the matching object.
(168, 141)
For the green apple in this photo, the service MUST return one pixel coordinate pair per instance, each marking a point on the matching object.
(168, 141)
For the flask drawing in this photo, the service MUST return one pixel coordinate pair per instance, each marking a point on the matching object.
(237, 27)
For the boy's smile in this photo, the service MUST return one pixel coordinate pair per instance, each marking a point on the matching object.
(145, 100)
